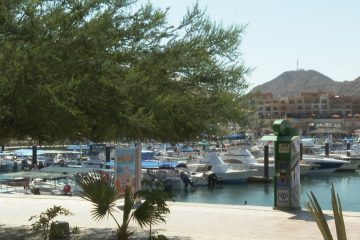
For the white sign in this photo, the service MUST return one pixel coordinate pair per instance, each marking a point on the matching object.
(284, 148)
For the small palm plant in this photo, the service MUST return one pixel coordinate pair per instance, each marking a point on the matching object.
(315, 210)
(101, 190)
(45, 219)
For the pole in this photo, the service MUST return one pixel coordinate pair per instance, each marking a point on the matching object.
(34, 155)
(266, 161)
(107, 156)
(348, 148)
(301, 151)
(138, 167)
(327, 149)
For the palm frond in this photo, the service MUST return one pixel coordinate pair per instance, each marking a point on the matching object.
(100, 190)
(148, 213)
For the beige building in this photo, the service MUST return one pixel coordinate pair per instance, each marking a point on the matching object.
(313, 112)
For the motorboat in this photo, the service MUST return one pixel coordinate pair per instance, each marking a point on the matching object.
(243, 159)
(323, 164)
(172, 179)
(224, 171)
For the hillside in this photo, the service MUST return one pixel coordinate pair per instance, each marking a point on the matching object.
(291, 83)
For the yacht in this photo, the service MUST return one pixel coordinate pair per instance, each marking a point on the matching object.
(324, 164)
(242, 158)
(224, 171)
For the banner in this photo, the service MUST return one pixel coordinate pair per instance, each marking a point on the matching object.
(125, 168)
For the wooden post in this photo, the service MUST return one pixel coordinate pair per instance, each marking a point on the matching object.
(34, 155)
(327, 149)
(138, 167)
(107, 155)
(266, 161)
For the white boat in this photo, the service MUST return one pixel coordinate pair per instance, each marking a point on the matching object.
(354, 162)
(171, 178)
(324, 164)
(224, 171)
(242, 158)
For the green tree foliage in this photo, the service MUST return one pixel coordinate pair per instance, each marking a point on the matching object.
(104, 69)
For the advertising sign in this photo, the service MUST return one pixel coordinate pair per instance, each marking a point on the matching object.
(283, 198)
(125, 168)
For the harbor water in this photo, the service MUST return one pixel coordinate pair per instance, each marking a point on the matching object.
(347, 185)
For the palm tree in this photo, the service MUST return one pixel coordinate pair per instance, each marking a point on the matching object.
(101, 190)
(315, 210)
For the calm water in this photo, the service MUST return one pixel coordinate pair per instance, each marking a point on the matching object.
(346, 184)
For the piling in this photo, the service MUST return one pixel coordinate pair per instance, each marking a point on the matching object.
(266, 161)
(107, 156)
(34, 155)
(327, 149)
(301, 151)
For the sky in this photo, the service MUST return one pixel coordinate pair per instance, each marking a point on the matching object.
(322, 35)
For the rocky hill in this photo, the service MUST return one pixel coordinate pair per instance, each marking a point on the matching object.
(291, 83)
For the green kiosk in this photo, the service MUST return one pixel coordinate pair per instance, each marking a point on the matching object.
(287, 165)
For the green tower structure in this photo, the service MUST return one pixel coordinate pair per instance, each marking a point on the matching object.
(287, 165)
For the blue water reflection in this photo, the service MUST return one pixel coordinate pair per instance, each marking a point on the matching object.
(347, 185)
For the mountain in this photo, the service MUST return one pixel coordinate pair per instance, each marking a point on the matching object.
(292, 83)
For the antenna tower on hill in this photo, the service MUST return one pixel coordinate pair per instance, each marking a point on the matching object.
(297, 64)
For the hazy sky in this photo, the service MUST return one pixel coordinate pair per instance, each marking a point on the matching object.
(324, 35)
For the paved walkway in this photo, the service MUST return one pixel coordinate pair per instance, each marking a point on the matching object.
(186, 221)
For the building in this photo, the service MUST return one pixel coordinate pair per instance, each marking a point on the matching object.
(313, 112)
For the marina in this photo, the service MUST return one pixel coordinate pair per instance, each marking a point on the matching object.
(260, 194)
(170, 167)
(212, 182)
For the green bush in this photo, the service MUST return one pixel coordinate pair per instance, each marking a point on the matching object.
(45, 219)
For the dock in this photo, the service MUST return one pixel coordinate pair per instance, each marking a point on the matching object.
(260, 179)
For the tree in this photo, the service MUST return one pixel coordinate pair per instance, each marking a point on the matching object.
(108, 69)
(101, 190)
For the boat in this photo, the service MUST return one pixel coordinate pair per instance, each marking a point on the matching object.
(323, 164)
(171, 178)
(243, 159)
(223, 170)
